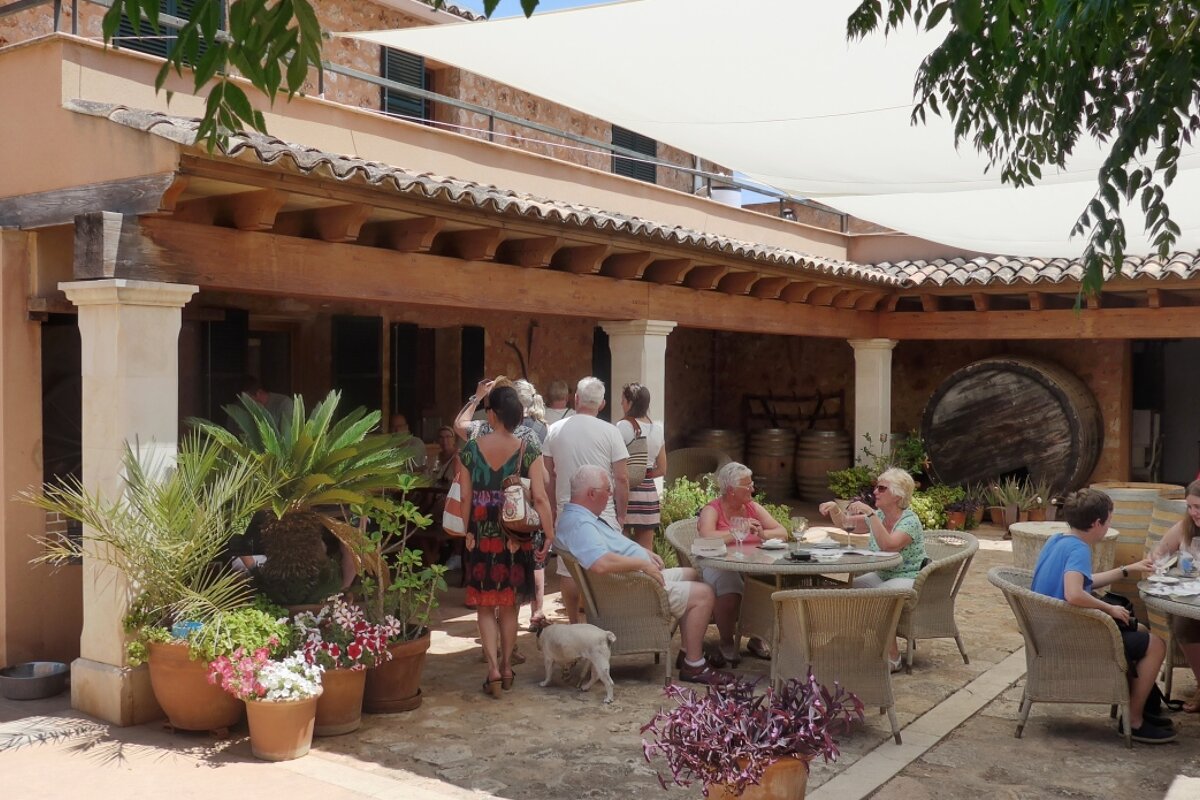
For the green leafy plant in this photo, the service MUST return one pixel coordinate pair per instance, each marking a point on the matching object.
(851, 482)
(167, 532)
(311, 461)
(873, 460)
(684, 498)
(400, 585)
(1040, 491)
(930, 504)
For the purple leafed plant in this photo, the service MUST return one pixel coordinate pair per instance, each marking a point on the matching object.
(729, 735)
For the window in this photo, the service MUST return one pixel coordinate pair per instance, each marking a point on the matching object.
(161, 43)
(408, 69)
(639, 144)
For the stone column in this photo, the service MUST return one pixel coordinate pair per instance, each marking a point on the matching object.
(872, 391)
(639, 353)
(129, 332)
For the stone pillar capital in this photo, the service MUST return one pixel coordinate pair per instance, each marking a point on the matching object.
(639, 327)
(122, 291)
(872, 344)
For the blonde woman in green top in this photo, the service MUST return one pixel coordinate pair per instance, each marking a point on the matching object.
(893, 527)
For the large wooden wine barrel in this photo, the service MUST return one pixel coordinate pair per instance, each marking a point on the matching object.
(771, 456)
(1013, 415)
(817, 454)
(730, 442)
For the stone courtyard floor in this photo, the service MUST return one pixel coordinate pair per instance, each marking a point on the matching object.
(958, 722)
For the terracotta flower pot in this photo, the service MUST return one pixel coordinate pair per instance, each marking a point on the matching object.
(956, 520)
(340, 708)
(395, 685)
(181, 687)
(1037, 515)
(997, 515)
(785, 779)
(281, 731)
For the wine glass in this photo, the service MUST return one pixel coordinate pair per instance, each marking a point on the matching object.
(740, 528)
(1160, 564)
(799, 526)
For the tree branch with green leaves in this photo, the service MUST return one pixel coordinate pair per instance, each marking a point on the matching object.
(1024, 81)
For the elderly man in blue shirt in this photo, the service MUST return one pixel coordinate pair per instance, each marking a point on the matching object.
(600, 548)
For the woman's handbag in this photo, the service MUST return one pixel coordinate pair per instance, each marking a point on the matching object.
(638, 460)
(518, 517)
(453, 522)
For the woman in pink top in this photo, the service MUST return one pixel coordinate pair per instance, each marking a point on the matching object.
(736, 499)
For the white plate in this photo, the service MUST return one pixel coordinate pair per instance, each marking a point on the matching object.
(1165, 579)
(1159, 591)
(773, 544)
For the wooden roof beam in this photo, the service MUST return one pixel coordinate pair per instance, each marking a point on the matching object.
(823, 295)
(930, 302)
(867, 301)
(797, 291)
(340, 223)
(1036, 301)
(737, 282)
(414, 235)
(769, 287)
(847, 299)
(536, 252)
(982, 301)
(247, 211)
(627, 266)
(669, 271)
(473, 245)
(705, 276)
(582, 260)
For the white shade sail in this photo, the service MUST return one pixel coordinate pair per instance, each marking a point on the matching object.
(773, 89)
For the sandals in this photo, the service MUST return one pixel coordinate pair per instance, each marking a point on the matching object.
(759, 649)
(731, 656)
(506, 681)
(895, 665)
(705, 674)
(493, 686)
(1193, 706)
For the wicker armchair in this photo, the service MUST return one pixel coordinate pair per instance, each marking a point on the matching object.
(694, 462)
(930, 614)
(632, 606)
(844, 635)
(1164, 515)
(680, 535)
(1072, 655)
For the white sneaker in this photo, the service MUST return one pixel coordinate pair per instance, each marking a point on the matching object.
(454, 563)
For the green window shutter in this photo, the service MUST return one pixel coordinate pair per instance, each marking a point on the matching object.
(409, 69)
(642, 171)
(161, 47)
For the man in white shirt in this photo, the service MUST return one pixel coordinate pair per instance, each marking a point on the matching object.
(556, 403)
(570, 444)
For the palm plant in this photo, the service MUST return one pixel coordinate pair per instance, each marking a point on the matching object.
(310, 462)
(167, 531)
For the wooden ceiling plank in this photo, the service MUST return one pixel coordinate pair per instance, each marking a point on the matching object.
(535, 253)
(627, 266)
(668, 270)
(737, 282)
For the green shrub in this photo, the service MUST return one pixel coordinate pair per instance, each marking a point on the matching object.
(684, 498)
(930, 505)
(848, 483)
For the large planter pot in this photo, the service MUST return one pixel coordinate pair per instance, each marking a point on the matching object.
(956, 520)
(181, 687)
(395, 685)
(281, 731)
(1037, 515)
(340, 708)
(786, 779)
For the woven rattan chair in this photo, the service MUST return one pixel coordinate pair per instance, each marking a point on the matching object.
(1164, 515)
(680, 535)
(1072, 655)
(694, 462)
(930, 614)
(632, 606)
(844, 635)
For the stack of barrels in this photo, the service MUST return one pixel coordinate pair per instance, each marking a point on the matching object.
(1133, 514)
(817, 454)
(729, 442)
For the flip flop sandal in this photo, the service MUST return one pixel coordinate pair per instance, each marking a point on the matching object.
(759, 649)
(1193, 706)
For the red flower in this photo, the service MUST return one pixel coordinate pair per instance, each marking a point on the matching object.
(354, 650)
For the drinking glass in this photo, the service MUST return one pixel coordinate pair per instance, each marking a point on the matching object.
(799, 526)
(1160, 564)
(740, 528)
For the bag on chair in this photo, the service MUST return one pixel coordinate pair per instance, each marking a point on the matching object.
(518, 517)
(639, 455)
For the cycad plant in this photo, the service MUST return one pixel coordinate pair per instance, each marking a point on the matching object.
(313, 463)
(167, 532)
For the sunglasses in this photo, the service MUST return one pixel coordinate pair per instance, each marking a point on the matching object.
(881, 488)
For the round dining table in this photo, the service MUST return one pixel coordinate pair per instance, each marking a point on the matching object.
(754, 560)
(1179, 606)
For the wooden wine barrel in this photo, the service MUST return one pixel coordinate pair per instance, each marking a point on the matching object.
(771, 457)
(817, 454)
(730, 442)
(1013, 415)
(1171, 491)
(1132, 513)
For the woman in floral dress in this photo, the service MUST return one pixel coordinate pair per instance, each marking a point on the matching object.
(500, 570)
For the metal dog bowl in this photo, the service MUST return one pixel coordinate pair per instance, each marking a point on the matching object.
(34, 680)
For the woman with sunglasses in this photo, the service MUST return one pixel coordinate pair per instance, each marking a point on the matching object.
(893, 528)
(735, 482)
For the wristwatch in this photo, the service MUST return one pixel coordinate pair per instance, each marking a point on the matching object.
(1124, 572)
(472, 399)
